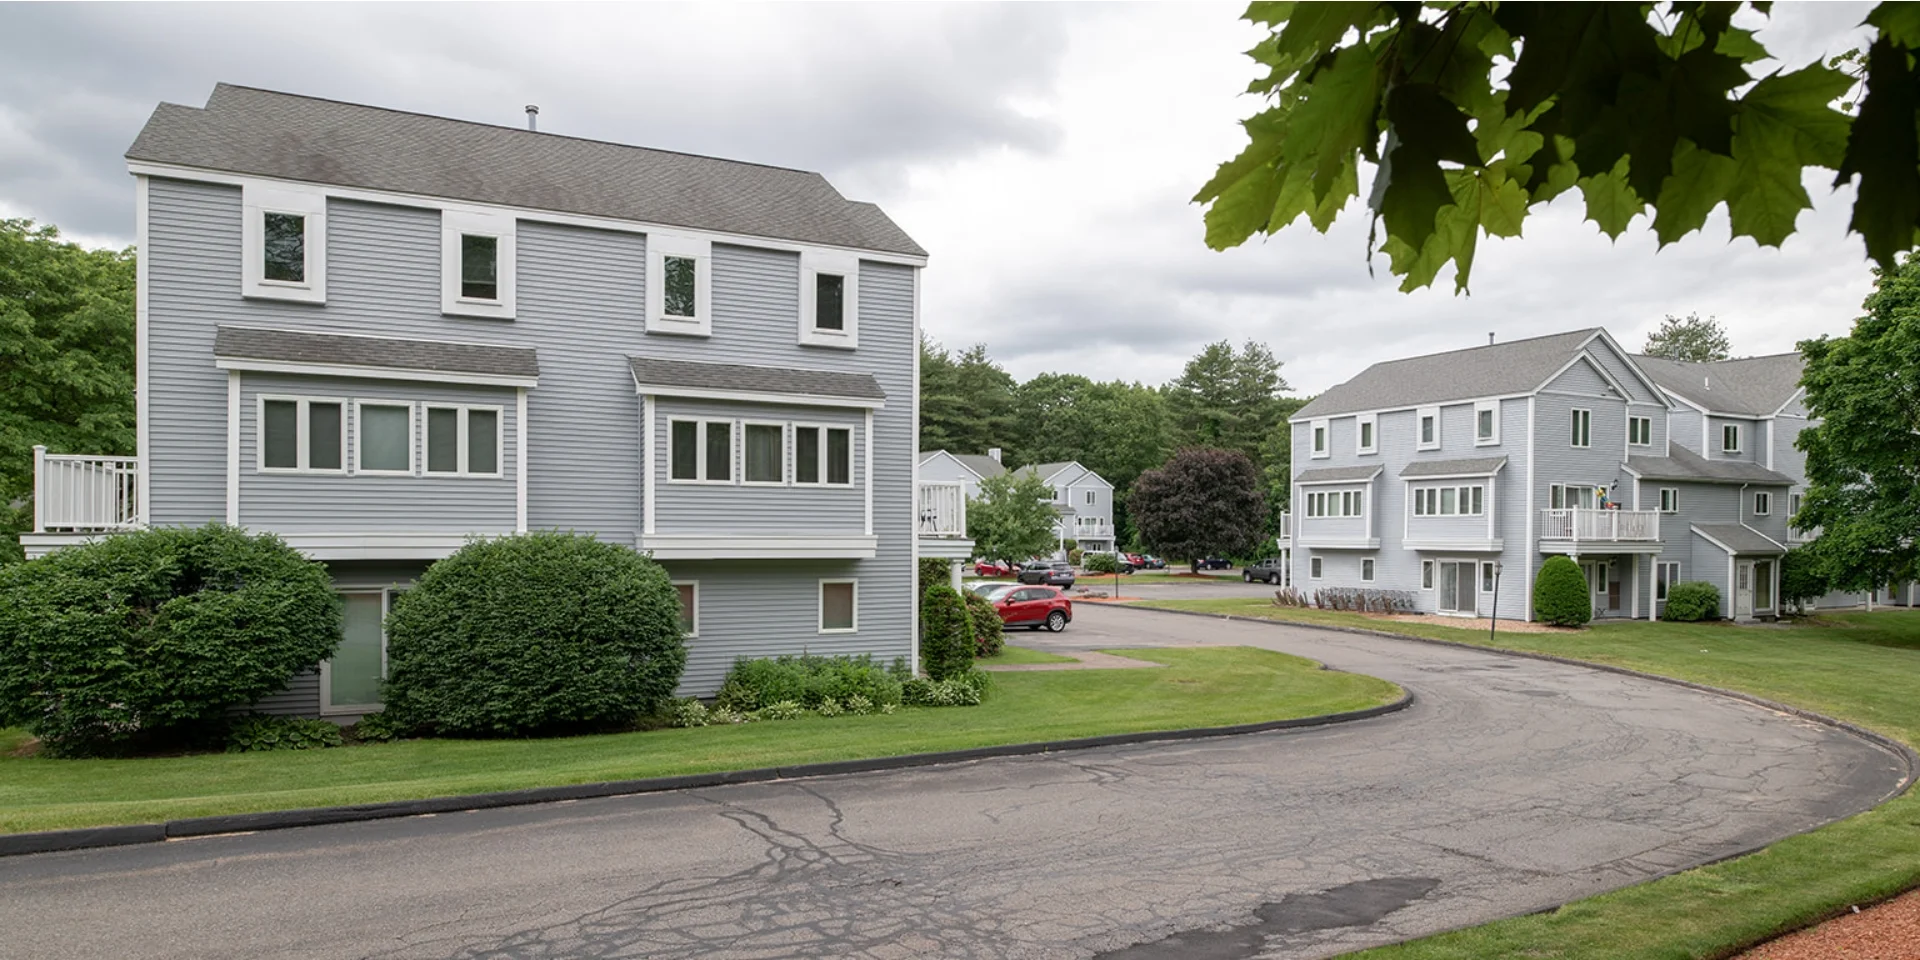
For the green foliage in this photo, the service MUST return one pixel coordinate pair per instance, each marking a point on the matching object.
(1100, 563)
(258, 731)
(1487, 111)
(1560, 594)
(1277, 460)
(689, 712)
(1075, 555)
(829, 708)
(1114, 428)
(966, 401)
(989, 631)
(533, 633)
(1863, 452)
(1203, 502)
(1012, 519)
(965, 689)
(66, 359)
(783, 710)
(379, 728)
(1691, 339)
(1803, 577)
(934, 570)
(1692, 600)
(146, 637)
(806, 680)
(1228, 399)
(946, 633)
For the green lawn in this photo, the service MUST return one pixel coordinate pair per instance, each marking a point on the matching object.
(1199, 688)
(1861, 667)
(1013, 654)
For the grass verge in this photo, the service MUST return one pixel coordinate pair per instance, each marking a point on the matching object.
(1011, 654)
(1859, 667)
(1199, 688)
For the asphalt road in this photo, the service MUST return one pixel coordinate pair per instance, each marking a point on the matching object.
(1510, 786)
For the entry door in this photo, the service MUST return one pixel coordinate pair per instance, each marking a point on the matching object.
(1599, 581)
(1743, 590)
(350, 682)
(1457, 592)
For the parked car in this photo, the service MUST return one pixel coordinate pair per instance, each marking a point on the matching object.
(1150, 562)
(1212, 563)
(1056, 573)
(1271, 570)
(1034, 607)
(991, 588)
(992, 568)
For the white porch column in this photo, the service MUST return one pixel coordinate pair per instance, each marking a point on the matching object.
(1653, 589)
(39, 484)
(1633, 585)
(953, 572)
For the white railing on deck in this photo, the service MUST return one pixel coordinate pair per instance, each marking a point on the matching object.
(1286, 526)
(80, 494)
(1600, 526)
(943, 509)
(1093, 531)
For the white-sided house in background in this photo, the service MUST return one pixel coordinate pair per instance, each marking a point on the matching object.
(1455, 475)
(1082, 505)
(378, 333)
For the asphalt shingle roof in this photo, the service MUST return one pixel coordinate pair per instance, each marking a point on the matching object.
(294, 346)
(688, 374)
(1047, 471)
(1754, 387)
(1471, 466)
(979, 463)
(1516, 366)
(1738, 537)
(1336, 474)
(271, 134)
(1683, 464)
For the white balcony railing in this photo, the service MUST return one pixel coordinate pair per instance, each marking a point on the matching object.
(1286, 525)
(1093, 531)
(80, 494)
(1600, 526)
(943, 509)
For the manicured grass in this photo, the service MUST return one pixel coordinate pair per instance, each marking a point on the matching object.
(1013, 654)
(1199, 688)
(1860, 667)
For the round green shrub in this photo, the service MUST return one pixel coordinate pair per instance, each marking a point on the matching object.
(946, 633)
(536, 633)
(1560, 595)
(1692, 600)
(989, 631)
(146, 638)
(1101, 563)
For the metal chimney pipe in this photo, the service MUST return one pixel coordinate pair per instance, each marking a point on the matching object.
(533, 118)
(1489, 338)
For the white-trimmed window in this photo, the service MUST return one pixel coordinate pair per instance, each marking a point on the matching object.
(1640, 431)
(1426, 574)
(1366, 569)
(1580, 428)
(839, 606)
(700, 451)
(284, 245)
(1730, 438)
(1314, 569)
(1322, 448)
(350, 679)
(463, 441)
(763, 453)
(1089, 498)
(1669, 499)
(1486, 423)
(383, 433)
(1762, 504)
(301, 435)
(689, 593)
(1666, 574)
(1336, 503)
(1794, 500)
(1367, 433)
(679, 285)
(829, 299)
(823, 456)
(1462, 501)
(1486, 576)
(476, 264)
(1427, 428)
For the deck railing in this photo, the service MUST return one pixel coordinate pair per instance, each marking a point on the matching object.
(1093, 531)
(83, 494)
(1286, 525)
(943, 509)
(1600, 526)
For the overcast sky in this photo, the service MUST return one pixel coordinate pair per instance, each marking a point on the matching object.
(1044, 155)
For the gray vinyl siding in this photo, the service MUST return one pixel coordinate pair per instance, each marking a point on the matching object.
(1449, 527)
(741, 509)
(1683, 428)
(1752, 438)
(1582, 379)
(944, 469)
(771, 608)
(1621, 370)
(309, 503)
(301, 698)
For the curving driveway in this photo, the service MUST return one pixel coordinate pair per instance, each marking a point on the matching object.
(1509, 786)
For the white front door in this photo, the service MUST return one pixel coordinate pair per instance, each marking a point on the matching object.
(1743, 590)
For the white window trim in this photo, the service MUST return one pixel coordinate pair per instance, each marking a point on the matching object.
(786, 448)
(1319, 440)
(700, 451)
(660, 246)
(1429, 578)
(1762, 497)
(847, 266)
(1486, 406)
(853, 444)
(1675, 500)
(258, 201)
(695, 584)
(1631, 420)
(1673, 578)
(1419, 416)
(820, 620)
(457, 223)
(1462, 496)
(1738, 440)
(1360, 425)
(1487, 576)
(326, 666)
(302, 424)
(413, 437)
(1315, 569)
(1580, 416)
(460, 446)
(1367, 569)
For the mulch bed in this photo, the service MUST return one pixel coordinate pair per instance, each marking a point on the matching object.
(1889, 931)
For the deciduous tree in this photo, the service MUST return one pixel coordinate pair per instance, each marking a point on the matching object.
(1227, 398)
(1203, 502)
(1690, 338)
(1012, 519)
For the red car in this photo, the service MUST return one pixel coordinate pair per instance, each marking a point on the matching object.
(1035, 607)
(992, 568)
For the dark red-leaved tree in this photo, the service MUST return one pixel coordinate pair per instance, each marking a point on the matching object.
(1203, 502)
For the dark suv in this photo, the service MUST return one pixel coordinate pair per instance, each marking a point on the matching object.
(1271, 570)
(1058, 573)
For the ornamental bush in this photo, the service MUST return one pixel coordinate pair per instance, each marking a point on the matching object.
(989, 631)
(808, 681)
(1692, 600)
(535, 633)
(147, 639)
(946, 633)
(1560, 595)
(257, 732)
(1101, 563)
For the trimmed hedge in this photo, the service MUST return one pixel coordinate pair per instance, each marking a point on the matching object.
(535, 633)
(1560, 595)
(1692, 600)
(989, 631)
(1101, 563)
(147, 639)
(946, 633)
(808, 681)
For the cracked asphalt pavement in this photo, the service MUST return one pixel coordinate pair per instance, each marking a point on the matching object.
(1511, 785)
